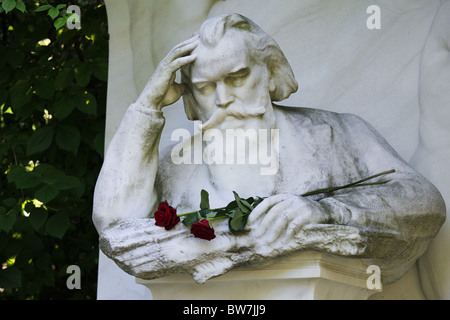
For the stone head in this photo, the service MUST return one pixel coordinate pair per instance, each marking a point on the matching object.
(237, 63)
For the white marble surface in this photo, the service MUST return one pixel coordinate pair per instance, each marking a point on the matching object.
(379, 77)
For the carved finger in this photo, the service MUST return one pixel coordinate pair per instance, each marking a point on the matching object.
(265, 205)
(296, 225)
(278, 227)
(178, 63)
(276, 218)
(184, 48)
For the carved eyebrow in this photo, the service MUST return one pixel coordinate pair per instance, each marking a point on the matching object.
(237, 72)
(242, 71)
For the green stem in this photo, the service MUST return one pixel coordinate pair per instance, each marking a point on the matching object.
(217, 218)
(185, 214)
(353, 184)
(314, 192)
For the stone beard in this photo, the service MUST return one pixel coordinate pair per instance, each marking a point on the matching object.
(232, 72)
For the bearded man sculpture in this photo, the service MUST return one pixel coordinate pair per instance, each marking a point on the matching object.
(232, 72)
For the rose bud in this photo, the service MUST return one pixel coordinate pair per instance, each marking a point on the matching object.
(166, 216)
(201, 229)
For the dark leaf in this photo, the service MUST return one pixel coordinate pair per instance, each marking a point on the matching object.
(100, 69)
(63, 79)
(47, 193)
(40, 141)
(58, 224)
(22, 178)
(204, 202)
(87, 103)
(99, 143)
(7, 219)
(11, 277)
(37, 218)
(241, 206)
(68, 182)
(63, 107)
(45, 88)
(19, 93)
(191, 218)
(238, 222)
(83, 74)
(68, 138)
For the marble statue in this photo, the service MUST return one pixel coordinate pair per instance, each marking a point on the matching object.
(232, 72)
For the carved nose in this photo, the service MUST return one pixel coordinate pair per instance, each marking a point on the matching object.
(223, 97)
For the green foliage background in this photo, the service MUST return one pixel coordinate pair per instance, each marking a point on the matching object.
(52, 104)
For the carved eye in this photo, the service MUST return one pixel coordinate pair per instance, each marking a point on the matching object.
(238, 78)
(206, 88)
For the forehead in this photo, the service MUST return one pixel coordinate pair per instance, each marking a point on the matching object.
(228, 56)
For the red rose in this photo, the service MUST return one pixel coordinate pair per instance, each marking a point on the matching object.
(166, 216)
(201, 229)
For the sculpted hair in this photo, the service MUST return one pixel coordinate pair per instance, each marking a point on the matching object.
(262, 47)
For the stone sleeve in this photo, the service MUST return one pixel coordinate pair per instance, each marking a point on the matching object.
(125, 186)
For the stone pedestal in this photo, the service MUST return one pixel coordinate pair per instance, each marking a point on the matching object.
(307, 276)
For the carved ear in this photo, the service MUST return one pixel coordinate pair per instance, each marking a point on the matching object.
(272, 87)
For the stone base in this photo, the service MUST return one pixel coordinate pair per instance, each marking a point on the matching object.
(306, 275)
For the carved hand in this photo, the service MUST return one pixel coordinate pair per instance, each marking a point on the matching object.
(162, 90)
(282, 216)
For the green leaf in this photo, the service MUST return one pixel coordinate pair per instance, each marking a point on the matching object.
(60, 6)
(48, 173)
(22, 178)
(100, 69)
(60, 22)
(68, 182)
(211, 214)
(20, 6)
(99, 143)
(47, 193)
(63, 107)
(40, 141)
(45, 88)
(238, 222)
(191, 218)
(58, 224)
(204, 202)
(203, 213)
(83, 74)
(53, 12)
(68, 138)
(9, 202)
(11, 277)
(56, 177)
(7, 220)
(241, 206)
(37, 218)
(43, 8)
(63, 79)
(8, 5)
(87, 104)
(19, 93)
